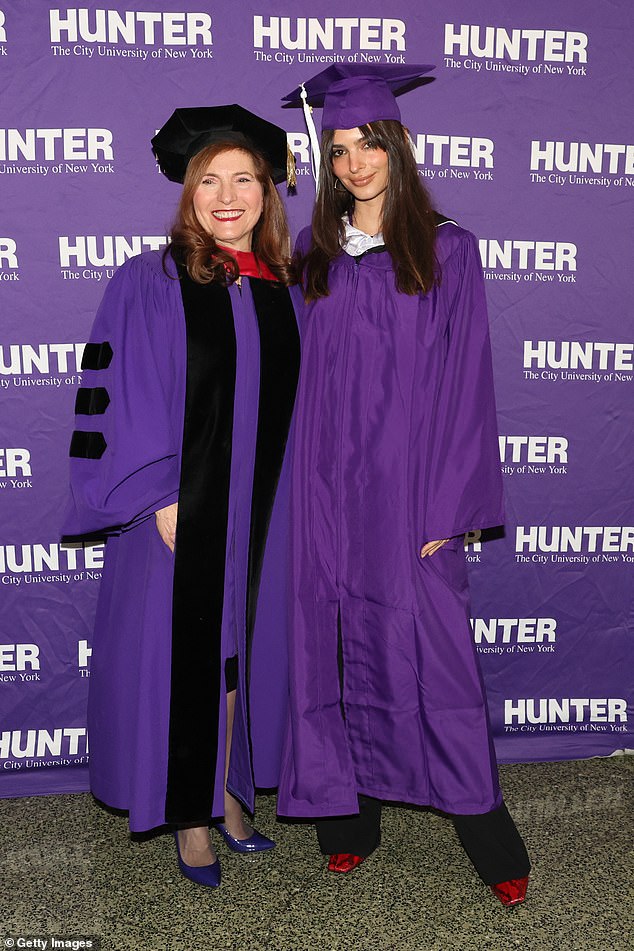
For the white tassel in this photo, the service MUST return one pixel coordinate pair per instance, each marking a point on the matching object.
(315, 150)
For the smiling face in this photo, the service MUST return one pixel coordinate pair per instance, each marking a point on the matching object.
(360, 167)
(229, 200)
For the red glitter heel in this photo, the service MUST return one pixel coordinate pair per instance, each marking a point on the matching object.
(344, 862)
(512, 892)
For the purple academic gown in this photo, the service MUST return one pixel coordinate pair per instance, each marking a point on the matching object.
(157, 701)
(395, 445)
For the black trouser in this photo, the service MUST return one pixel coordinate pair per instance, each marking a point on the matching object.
(491, 840)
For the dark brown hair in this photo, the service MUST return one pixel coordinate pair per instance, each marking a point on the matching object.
(197, 250)
(408, 222)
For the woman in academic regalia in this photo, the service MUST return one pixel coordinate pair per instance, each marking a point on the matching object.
(395, 457)
(182, 420)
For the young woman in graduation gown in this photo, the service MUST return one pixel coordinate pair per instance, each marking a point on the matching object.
(395, 458)
(182, 420)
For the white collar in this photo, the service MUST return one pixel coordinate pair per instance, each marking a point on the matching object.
(358, 242)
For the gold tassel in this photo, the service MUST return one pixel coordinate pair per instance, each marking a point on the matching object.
(291, 174)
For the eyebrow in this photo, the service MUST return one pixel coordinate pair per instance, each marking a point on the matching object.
(206, 174)
(340, 145)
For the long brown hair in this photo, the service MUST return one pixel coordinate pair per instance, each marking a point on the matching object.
(197, 250)
(408, 221)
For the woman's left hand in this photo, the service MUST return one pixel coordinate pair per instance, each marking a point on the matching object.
(432, 547)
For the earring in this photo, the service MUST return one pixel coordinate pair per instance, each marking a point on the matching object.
(337, 183)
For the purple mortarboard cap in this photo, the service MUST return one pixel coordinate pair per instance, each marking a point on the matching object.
(355, 94)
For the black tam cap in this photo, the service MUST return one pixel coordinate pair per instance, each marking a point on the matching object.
(188, 131)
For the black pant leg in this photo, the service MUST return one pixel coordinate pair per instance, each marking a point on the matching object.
(357, 835)
(494, 845)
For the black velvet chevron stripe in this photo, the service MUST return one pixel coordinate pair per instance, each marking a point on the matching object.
(86, 445)
(91, 401)
(97, 356)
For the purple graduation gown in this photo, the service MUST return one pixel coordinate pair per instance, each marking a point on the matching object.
(200, 381)
(395, 445)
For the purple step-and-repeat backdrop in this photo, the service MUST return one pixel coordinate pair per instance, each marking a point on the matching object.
(525, 137)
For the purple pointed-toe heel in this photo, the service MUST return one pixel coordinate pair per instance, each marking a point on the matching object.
(255, 843)
(207, 875)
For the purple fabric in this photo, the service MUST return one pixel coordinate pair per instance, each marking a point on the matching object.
(356, 101)
(129, 702)
(395, 446)
(354, 94)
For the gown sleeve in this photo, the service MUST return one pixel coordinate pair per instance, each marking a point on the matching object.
(464, 488)
(125, 451)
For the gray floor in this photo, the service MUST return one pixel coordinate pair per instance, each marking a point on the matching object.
(70, 867)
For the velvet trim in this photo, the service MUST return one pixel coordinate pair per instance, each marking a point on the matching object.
(87, 445)
(199, 575)
(279, 371)
(96, 356)
(199, 569)
(91, 401)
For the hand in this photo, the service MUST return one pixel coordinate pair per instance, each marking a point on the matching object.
(432, 547)
(166, 524)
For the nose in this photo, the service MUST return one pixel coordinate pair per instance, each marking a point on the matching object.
(226, 193)
(356, 160)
